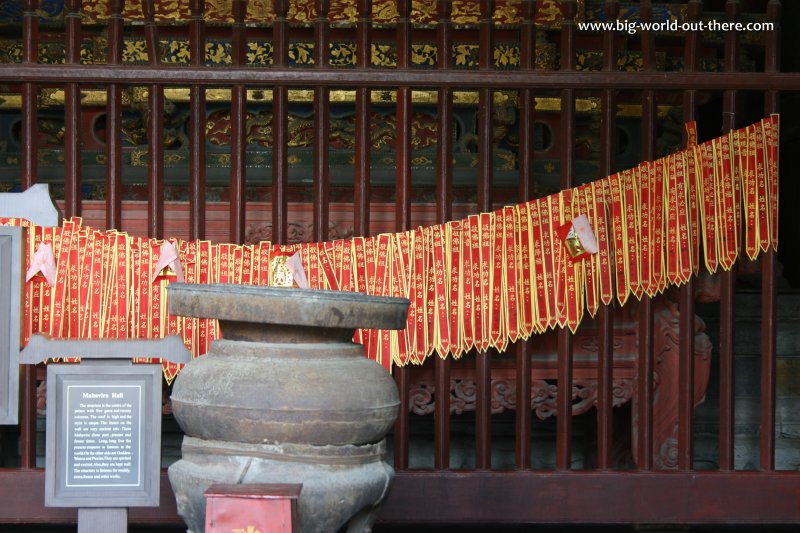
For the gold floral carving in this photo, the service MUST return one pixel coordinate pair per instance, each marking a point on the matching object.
(139, 95)
(10, 51)
(549, 13)
(383, 11)
(466, 12)
(424, 13)
(342, 12)
(50, 97)
(260, 53)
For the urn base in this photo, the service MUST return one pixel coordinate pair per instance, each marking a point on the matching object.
(339, 482)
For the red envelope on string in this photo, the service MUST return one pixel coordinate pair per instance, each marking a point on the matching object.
(578, 237)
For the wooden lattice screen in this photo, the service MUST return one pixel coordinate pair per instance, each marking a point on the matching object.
(533, 77)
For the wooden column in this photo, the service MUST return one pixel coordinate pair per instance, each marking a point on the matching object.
(280, 128)
(30, 170)
(646, 363)
(321, 126)
(238, 179)
(197, 125)
(527, 186)
(403, 123)
(483, 362)
(155, 131)
(30, 97)
(72, 112)
(444, 212)
(605, 356)
(114, 120)
(769, 297)
(686, 327)
(363, 137)
(403, 209)
(567, 160)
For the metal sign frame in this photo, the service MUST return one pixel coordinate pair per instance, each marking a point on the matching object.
(95, 483)
(11, 265)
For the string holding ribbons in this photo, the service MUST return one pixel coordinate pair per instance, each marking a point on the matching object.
(477, 283)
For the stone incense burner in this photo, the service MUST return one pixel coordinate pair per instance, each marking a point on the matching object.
(286, 397)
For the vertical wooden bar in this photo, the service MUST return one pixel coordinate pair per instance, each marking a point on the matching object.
(30, 93)
(686, 325)
(483, 368)
(444, 138)
(485, 108)
(197, 125)
(527, 186)
(238, 178)
(280, 129)
(404, 113)
(321, 126)
(30, 170)
(645, 378)
(769, 303)
(114, 120)
(402, 220)
(402, 430)
(155, 131)
(72, 113)
(605, 362)
(444, 212)
(727, 376)
(567, 159)
(363, 137)
(361, 213)
(151, 33)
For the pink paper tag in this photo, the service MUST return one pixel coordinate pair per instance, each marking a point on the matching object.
(168, 257)
(296, 268)
(43, 261)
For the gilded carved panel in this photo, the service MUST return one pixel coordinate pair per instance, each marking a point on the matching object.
(342, 12)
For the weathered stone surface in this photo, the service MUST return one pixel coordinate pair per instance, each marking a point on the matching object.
(305, 393)
(286, 398)
(287, 306)
(338, 482)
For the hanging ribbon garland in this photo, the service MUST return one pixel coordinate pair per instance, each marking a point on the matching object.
(480, 283)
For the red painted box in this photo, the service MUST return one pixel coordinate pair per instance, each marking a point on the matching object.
(256, 508)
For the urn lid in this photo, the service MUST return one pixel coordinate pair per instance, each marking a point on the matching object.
(284, 305)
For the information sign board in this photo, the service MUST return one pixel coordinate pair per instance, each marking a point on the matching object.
(103, 435)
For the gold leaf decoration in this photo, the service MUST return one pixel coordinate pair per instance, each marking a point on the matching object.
(134, 51)
(423, 55)
(423, 12)
(301, 12)
(384, 12)
(343, 54)
(508, 12)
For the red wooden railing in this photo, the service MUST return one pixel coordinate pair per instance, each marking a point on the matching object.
(441, 495)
